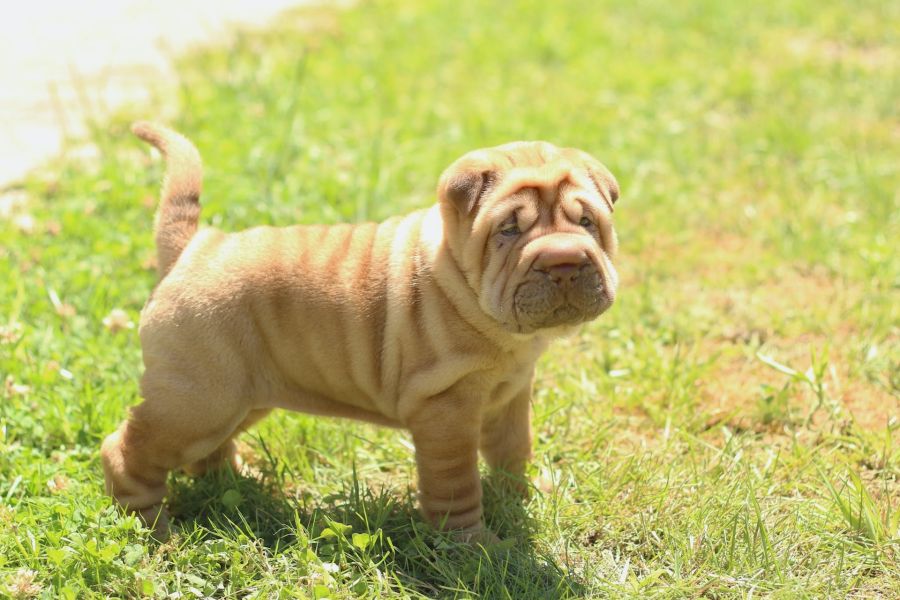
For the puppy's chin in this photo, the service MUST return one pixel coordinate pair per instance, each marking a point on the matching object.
(562, 317)
(540, 304)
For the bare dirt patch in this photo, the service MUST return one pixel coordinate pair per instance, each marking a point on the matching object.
(799, 316)
(870, 57)
(742, 389)
(746, 393)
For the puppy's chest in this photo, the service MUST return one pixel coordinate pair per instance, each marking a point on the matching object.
(503, 392)
(509, 380)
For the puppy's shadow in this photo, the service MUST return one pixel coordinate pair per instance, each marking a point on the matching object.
(225, 505)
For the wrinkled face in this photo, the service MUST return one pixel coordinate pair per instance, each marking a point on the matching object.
(530, 225)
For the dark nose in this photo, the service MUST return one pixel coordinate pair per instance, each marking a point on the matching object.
(562, 263)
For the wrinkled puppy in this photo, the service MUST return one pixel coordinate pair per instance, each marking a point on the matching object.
(432, 322)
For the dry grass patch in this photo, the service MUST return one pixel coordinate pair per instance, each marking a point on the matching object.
(802, 317)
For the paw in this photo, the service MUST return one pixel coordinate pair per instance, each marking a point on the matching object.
(518, 486)
(476, 535)
(515, 485)
(156, 519)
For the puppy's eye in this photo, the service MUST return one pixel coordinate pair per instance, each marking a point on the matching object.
(585, 222)
(510, 229)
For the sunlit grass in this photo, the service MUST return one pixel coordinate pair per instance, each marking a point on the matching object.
(729, 429)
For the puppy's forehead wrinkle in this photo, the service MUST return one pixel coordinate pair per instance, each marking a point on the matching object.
(537, 165)
(545, 180)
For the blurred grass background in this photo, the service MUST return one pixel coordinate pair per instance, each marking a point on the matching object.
(729, 429)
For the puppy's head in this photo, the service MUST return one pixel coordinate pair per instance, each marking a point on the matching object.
(530, 225)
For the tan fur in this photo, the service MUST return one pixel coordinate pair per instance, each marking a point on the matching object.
(179, 206)
(431, 322)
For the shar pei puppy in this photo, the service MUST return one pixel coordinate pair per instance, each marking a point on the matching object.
(431, 322)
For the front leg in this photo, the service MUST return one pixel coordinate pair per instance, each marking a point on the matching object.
(506, 440)
(445, 432)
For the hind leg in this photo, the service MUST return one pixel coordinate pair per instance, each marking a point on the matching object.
(227, 455)
(171, 428)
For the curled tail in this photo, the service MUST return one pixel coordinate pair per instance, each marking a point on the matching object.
(179, 205)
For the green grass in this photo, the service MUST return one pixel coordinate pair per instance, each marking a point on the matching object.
(730, 429)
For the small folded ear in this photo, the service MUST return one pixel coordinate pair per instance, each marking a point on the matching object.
(604, 181)
(464, 187)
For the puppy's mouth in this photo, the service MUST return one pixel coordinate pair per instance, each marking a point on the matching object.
(543, 300)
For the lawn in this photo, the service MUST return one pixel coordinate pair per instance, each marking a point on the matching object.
(730, 429)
